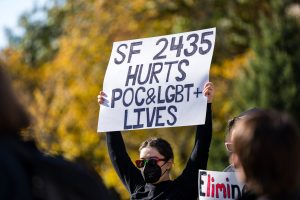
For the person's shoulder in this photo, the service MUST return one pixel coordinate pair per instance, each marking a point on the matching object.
(13, 177)
(249, 196)
(23, 163)
(70, 176)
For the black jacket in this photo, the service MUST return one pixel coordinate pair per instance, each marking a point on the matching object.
(28, 174)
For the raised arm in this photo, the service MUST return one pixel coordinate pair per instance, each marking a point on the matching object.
(199, 156)
(126, 170)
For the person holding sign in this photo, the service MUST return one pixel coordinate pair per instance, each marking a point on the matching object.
(266, 148)
(157, 82)
(153, 180)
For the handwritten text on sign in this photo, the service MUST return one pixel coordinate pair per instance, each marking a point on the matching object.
(157, 82)
(219, 185)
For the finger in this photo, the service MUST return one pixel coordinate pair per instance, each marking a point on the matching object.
(207, 93)
(101, 97)
(101, 100)
(103, 94)
(207, 89)
(208, 85)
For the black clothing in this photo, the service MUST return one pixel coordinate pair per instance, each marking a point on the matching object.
(28, 174)
(248, 195)
(183, 187)
(253, 196)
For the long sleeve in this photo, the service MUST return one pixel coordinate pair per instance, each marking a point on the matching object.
(199, 156)
(126, 170)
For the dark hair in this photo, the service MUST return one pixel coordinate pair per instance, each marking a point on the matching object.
(242, 115)
(268, 146)
(162, 146)
(13, 116)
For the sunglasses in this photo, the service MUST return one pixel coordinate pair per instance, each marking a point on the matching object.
(150, 162)
(229, 147)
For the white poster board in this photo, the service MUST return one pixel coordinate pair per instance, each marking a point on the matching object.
(157, 82)
(215, 185)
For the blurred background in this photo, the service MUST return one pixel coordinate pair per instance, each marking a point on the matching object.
(58, 51)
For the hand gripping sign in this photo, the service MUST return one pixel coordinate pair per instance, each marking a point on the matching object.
(215, 185)
(157, 82)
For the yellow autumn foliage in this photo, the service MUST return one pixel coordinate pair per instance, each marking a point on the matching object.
(61, 93)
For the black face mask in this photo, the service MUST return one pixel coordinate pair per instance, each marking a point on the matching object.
(152, 172)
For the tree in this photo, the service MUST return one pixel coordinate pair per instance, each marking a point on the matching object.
(60, 62)
(270, 79)
(43, 26)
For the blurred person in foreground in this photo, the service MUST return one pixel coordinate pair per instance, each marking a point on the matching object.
(266, 155)
(25, 172)
(229, 135)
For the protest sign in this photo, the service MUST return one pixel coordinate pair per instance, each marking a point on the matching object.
(219, 185)
(157, 82)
